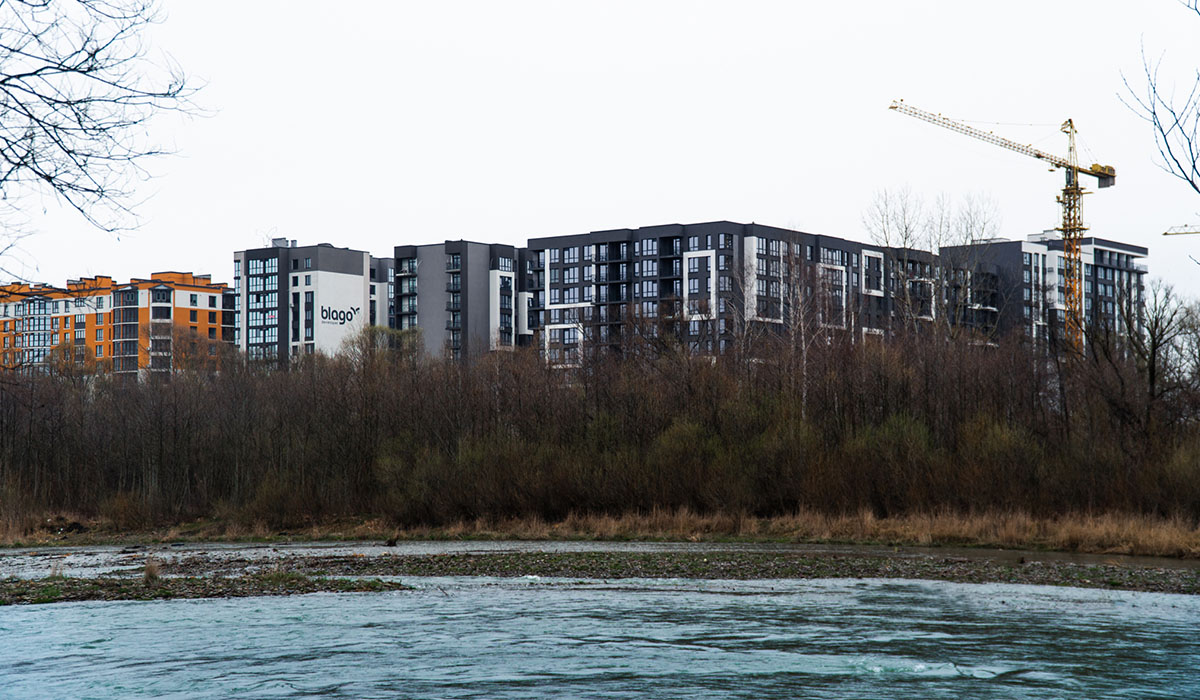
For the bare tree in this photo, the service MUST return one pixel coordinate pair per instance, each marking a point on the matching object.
(803, 330)
(930, 284)
(960, 235)
(77, 89)
(1174, 115)
(1153, 331)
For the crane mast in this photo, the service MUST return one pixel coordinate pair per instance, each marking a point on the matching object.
(1072, 234)
(1072, 227)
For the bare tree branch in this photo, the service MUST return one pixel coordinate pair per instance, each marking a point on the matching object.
(1174, 115)
(77, 91)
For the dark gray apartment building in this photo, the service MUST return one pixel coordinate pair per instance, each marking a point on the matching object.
(1028, 279)
(463, 296)
(702, 284)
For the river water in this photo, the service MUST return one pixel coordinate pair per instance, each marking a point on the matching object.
(523, 638)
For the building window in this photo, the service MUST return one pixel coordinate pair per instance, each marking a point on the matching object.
(308, 263)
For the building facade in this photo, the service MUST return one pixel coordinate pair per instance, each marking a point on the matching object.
(291, 300)
(171, 320)
(1030, 278)
(462, 297)
(702, 284)
(707, 284)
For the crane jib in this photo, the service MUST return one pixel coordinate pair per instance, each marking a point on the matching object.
(1105, 174)
(1072, 226)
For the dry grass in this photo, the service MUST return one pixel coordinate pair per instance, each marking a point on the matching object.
(1107, 534)
(1111, 533)
(150, 574)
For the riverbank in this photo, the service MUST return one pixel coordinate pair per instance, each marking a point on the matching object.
(227, 571)
(1107, 533)
(60, 589)
(723, 565)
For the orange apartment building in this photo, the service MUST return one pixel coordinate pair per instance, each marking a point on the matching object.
(169, 321)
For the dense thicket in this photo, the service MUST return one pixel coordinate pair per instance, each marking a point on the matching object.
(910, 424)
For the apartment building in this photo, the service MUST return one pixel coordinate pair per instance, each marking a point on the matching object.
(291, 300)
(704, 284)
(462, 296)
(1030, 282)
(170, 320)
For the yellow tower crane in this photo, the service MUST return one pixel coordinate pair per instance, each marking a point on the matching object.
(1181, 230)
(1072, 227)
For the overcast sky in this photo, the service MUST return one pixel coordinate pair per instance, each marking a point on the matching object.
(377, 124)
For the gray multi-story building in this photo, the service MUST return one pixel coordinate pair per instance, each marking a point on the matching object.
(703, 284)
(291, 300)
(1029, 278)
(707, 284)
(462, 296)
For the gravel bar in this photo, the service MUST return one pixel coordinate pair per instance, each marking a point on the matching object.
(715, 565)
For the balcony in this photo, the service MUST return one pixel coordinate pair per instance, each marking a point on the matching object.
(453, 324)
(454, 306)
(453, 287)
(453, 265)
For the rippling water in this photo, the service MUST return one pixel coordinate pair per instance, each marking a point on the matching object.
(489, 638)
